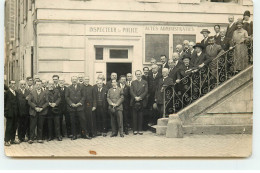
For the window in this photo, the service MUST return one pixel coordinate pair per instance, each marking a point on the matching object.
(155, 46)
(99, 53)
(118, 53)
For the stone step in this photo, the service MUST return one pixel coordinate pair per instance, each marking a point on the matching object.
(223, 120)
(160, 130)
(162, 121)
(217, 129)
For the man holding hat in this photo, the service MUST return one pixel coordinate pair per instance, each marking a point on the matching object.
(205, 33)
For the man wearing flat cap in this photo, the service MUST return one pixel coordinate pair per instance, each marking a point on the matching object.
(205, 41)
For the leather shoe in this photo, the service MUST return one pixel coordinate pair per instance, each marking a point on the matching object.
(135, 132)
(126, 133)
(40, 141)
(15, 142)
(140, 133)
(30, 141)
(7, 144)
(121, 135)
(60, 138)
(50, 139)
(70, 136)
(113, 135)
(87, 137)
(74, 138)
(104, 134)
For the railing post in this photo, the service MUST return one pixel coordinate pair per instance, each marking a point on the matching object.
(164, 107)
(217, 72)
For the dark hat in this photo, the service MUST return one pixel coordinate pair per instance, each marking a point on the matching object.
(247, 13)
(185, 56)
(204, 30)
(198, 45)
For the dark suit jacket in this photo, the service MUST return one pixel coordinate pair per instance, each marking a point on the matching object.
(230, 31)
(162, 85)
(10, 105)
(224, 44)
(36, 100)
(197, 60)
(173, 73)
(23, 102)
(127, 96)
(205, 43)
(248, 27)
(103, 95)
(166, 66)
(139, 89)
(63, 104)
(90, 97)
(182, 71)
(153, 82)
(217, 39)
(145, 78)
(75, 96)
(214, 52)
(54, 97)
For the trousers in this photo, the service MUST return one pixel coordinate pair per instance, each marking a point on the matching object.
(37, 121)
(10, 130)
(23, 126)
(101, 115)
(116, 121)
(82, 121)
(137, 119)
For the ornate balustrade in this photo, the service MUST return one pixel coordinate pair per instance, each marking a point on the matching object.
(202, 81)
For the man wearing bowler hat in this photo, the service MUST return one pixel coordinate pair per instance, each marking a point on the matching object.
(199, 59)
(205, 41)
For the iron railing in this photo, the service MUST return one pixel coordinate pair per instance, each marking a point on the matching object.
(202, 81)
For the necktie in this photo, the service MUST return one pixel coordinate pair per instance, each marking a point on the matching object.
(14, 93)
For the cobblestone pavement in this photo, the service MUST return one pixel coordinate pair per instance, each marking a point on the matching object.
(147, 145)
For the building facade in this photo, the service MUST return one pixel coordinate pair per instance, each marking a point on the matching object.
(69, 37)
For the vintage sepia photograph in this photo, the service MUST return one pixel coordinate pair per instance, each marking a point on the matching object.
(128, 78)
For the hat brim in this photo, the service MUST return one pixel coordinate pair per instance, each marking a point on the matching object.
(204, 31)
(202, 47)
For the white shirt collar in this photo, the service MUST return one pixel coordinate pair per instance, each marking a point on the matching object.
(199, 53)
(11, 90)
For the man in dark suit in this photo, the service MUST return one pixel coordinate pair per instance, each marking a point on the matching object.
(146, 72)
(230, 28)
(54, 112)
(129, 79)
(205, 41)
(55, 79)
(185, 68)
(179, 49)
(126, 103)
(164, 62)
(153, 80)
(90, 106)
(11, 114)
(80, 79)
(224, 42)
(192, 51)
(115, 98)
(163, 83)
(24, 118)
(217, 36)
(100, 92)
(173, 69)
(74, 95)
(63, 108)
(186, 47)
(29, 81)
(38, 102)
(138, 91)
(113, 76)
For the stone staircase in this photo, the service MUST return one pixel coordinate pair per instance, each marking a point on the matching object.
(225, 110)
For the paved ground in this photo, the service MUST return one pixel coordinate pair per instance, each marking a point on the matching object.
(148, 145)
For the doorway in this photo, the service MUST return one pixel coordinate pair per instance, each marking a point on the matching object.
(119, 68)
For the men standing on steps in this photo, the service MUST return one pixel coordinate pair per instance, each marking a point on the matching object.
(11, 114)
(138, 90)
(90, 106)
(205, 41)
(74, 95)
(163, 83)
(115, 98)
(38, 102)
(23, 125)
